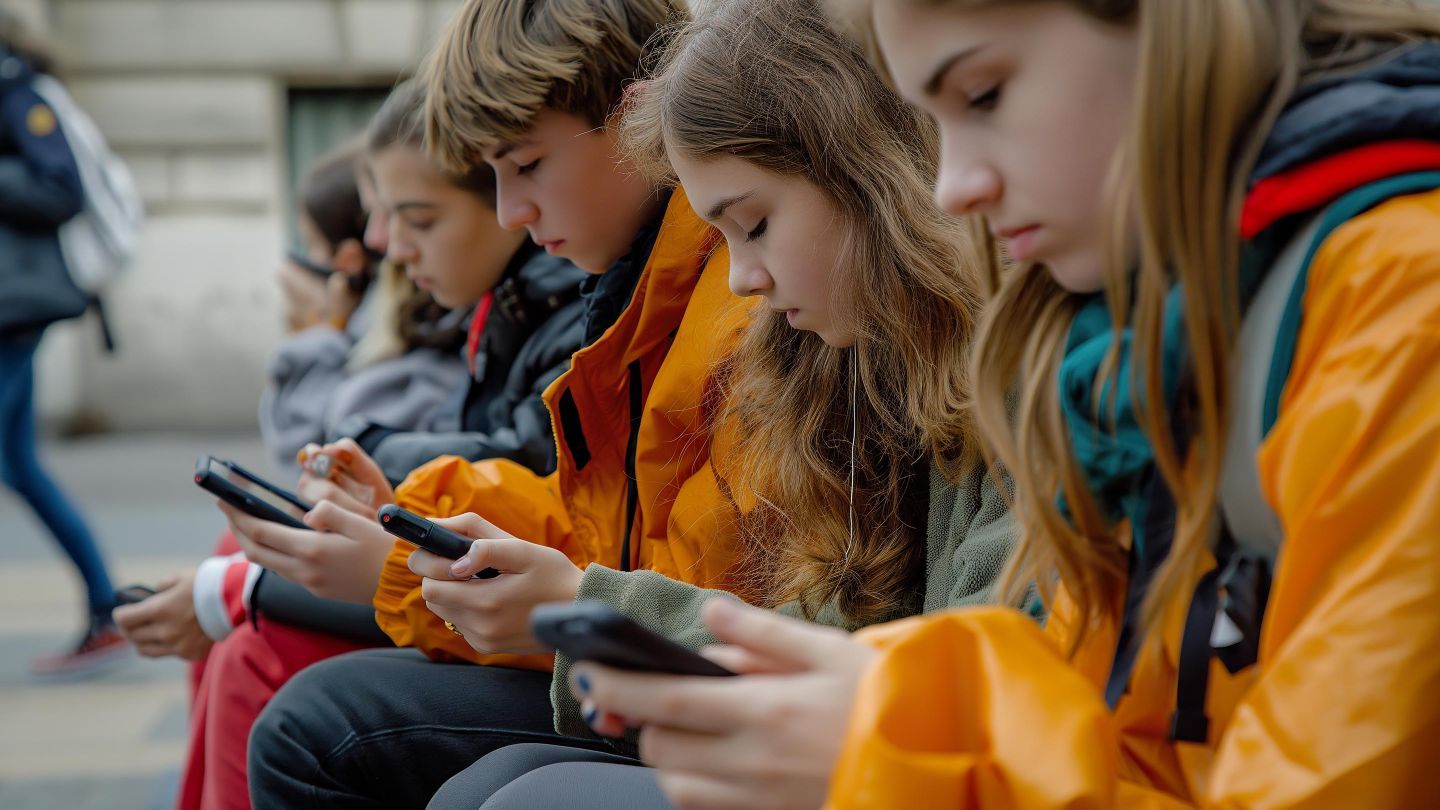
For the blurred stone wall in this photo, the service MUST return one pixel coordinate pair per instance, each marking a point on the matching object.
(192, 93)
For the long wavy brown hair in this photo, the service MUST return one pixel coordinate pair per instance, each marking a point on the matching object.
(1213, 77)
(771, 83)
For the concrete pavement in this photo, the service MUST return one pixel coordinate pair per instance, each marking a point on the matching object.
(115, 741)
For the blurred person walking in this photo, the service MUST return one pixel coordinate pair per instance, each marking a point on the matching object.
(41, 189)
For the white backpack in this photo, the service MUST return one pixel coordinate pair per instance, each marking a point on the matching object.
(99, 242)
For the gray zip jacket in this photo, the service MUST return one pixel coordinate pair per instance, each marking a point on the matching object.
(309, 391)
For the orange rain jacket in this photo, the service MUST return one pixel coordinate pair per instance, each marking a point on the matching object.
(981, 708)
(659, 353)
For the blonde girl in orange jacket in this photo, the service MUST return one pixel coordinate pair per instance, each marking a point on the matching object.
(1147, 164)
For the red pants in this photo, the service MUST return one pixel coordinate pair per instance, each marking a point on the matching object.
(229, 688)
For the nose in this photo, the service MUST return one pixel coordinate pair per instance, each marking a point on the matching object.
(401, 249)
(968, 184)
(512, 210)
(377, 231)
(748, 277)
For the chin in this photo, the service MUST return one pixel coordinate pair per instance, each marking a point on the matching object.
(590, 264)
(445, 301)
(1077, 277)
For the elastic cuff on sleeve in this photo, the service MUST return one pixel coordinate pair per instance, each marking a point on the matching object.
(210, 609)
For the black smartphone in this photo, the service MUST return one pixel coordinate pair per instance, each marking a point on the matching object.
(250, 493)
(593, 631)
(428, 535)
(133, 594)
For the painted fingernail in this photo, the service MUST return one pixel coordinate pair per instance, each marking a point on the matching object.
(582, 682)
(345, 456)
(302, 456)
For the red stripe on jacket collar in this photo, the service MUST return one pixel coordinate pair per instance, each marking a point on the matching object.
(477, 327)
(1313, 185)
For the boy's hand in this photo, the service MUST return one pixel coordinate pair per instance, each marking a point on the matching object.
(165, 624)
(494, 614)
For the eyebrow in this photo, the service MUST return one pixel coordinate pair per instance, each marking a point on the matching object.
(507, 148)
(932, 85)
(718, 209)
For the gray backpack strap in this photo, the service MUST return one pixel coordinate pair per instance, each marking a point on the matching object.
(1253, 524)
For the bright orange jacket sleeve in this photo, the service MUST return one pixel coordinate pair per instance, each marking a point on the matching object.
(980, 709)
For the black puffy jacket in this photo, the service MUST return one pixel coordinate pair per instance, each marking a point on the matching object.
(535, 325)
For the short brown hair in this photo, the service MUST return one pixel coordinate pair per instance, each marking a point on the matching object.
(500, 61)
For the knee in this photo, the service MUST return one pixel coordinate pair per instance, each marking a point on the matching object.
(304, 714)
(473, 786)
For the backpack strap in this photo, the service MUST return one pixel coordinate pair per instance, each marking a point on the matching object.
(1243, 507)
(1265, 353)
(1228, 607)
(1343, 210)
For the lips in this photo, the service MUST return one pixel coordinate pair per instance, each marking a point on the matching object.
(1020, 242)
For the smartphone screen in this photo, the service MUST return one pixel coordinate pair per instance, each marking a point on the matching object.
(258, 488)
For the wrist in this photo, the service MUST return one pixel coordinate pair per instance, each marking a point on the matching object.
(572, 585)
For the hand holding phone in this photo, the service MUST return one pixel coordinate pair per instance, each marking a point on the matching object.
(133, 594)
(428, 535)
(590, 630)
(250, 493)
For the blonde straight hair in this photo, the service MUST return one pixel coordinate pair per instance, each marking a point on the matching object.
(1213, 77)
(771, 83)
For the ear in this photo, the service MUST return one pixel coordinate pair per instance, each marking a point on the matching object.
(349, 257)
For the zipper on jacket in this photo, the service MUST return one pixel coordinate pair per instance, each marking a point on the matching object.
(573, 430)
(632, 495)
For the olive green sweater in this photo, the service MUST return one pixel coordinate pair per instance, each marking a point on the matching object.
(968, 538)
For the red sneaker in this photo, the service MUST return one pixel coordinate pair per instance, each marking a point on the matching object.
(99, 650)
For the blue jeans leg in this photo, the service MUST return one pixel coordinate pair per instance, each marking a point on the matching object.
(20, 469)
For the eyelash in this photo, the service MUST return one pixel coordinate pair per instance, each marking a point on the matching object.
(987, 100)
(528, 167)
(751, 236)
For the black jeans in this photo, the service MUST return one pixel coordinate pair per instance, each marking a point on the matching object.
(533, 776)
(385, 728)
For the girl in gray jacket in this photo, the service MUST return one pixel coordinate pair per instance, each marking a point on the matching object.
(382, 351)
